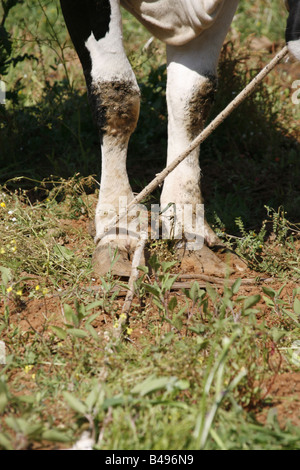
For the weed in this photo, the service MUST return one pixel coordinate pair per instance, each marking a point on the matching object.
(197, 368)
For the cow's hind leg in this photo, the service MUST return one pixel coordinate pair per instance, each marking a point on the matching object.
(192, 80)
(96, 30)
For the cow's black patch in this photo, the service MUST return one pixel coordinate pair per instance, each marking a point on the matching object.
(293, 23)
(201, 101)
(115, 105)
(83, 18)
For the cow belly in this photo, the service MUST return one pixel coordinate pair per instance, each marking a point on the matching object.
(176, 22)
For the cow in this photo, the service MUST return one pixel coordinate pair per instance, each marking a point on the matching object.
(194, 32)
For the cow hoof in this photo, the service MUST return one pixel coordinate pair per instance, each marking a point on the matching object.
(217, 262)
(113, 259)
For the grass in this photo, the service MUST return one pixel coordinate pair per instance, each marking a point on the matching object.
(197, 365)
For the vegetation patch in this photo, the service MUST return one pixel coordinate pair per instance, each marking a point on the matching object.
(203, 364)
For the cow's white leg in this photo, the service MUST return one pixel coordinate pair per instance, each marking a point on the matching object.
(190, 94)
(96, 31)
(115, 98)
(192, 72)
(192, 80)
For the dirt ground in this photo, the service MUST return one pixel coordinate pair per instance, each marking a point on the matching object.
(281, 392)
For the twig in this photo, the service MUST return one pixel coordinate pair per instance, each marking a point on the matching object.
(134, 273)
(136, 261)
(187, 282)
(217, 280)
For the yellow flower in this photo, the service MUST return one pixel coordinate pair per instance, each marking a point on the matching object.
(19, 292)
(3, 204)
(129, 331)
(45, 291)
(13, 249)
(9, 289)
(33, 376)
(27, 369)
(37, 287)
(123, 316)
(2, 251)
(116, 324)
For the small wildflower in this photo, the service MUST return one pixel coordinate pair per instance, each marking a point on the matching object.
(13, 249)
(129, 331)
(19, 292)
(33, 376)
(116, 324)
(2, 204)
(45, 291)
(37, 287)
(123, 316)
(9, 289)
(28, 368)
(2, 251)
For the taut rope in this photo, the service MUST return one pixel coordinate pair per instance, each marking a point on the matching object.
(160, 177)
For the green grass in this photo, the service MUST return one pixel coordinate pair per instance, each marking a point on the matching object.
(193, 368)
(266, 18)
(193, 390)
(47, 128)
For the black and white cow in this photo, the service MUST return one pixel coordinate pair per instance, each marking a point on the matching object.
(194, 31)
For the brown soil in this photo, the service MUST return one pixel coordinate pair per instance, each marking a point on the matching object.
(284, 395)
(283, 389)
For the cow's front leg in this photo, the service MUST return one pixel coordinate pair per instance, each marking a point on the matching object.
(117, 103)
(192, 71)
(190, 95)
(96, 31)
(115, 98)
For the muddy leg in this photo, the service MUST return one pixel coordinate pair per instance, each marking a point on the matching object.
(192, 82)
(96, 30)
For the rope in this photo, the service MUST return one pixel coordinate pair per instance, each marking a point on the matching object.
(160, 177)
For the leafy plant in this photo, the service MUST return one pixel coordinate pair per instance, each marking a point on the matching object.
(199, 365)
